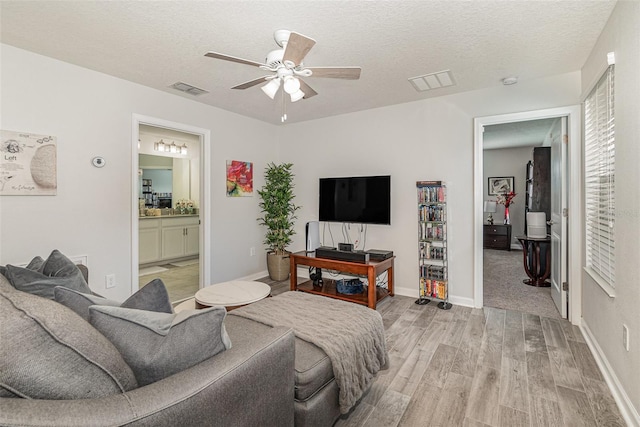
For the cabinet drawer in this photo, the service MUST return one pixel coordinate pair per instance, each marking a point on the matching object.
(496, 230)
(496, 242)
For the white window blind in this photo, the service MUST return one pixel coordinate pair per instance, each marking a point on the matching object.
(599, 175)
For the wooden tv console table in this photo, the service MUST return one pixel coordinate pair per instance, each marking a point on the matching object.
(371, 269)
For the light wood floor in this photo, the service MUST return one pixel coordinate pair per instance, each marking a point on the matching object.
(181, 282)
(481, 367)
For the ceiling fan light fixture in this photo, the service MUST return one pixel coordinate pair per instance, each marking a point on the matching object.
(291, 85)
(297, 96)
(271, 88)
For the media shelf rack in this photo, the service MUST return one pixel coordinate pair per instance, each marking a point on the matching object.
(432, 243)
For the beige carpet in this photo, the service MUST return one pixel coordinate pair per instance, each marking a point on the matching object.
(503, 287)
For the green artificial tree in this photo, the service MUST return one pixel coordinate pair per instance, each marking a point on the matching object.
(278, 215)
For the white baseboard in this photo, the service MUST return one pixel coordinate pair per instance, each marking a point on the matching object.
(628, 411)
(414, 293)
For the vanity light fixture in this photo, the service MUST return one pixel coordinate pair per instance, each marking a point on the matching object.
(159, 146)
(172, 148)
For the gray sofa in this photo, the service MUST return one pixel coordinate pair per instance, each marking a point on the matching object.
(267, 377)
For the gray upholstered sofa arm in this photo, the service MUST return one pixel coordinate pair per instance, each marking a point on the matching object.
(248, 385)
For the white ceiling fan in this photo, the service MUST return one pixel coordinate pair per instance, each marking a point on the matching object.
(287, 67)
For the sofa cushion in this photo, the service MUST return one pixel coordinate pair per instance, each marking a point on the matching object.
(157, 345)
(152, 297)
(313, 369)
(49, 352)
(41, 277)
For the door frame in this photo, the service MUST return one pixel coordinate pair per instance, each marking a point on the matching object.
(574, 182)
(205, 193)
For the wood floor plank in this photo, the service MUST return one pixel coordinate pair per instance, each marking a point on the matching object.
(604, 406)
(491, 351)
(495, 322)
(533, 335)
(389, 410)
(422, 406)
(432, 337)
(513, 344)
(468, 422)
(545, 412)
(539, 375)
(585, 361)
(427, 314)
(484, 396)
(453, 402)
(358, 417)
(453, 334)
(575, 406)
(510, 417)
(553, 334)
(439, 365)
(563, 367)
(513, 320)
(404, 343)
(461, 313)
(514, 391)
(383, 379)
(410, 375)
(469, 350)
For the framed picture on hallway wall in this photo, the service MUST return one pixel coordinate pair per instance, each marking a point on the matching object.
(500, 185)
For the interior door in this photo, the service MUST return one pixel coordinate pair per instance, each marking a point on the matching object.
(558, 218)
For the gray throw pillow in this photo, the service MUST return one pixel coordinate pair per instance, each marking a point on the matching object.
(157, 345)
(57, 270)
(49, 352)
(153, 297)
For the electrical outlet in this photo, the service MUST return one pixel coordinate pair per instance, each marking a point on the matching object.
(625, 337)
(252, 251)
(110, 281)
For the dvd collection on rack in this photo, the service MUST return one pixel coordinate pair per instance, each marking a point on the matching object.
(431, 194)
(433, 289)
(432, 231)
(432, 250)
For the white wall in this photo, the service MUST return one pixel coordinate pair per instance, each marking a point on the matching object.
(91, 114)
(509, 162)
(424, 140)
(604, 316)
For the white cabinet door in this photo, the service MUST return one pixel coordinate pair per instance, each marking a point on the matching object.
(172, 242)
(149, 245)
(192, 240)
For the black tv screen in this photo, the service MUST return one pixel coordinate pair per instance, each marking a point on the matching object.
(361, 200)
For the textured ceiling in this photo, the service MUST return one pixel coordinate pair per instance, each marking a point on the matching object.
(517, 134)
(159, 43)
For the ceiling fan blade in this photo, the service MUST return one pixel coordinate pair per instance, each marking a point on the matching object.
(252, 83)
(308, 92)
(350, 73)
(232, 59)
(297, 48)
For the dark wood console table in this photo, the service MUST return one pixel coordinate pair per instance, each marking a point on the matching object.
(531, 248)
(371, 269)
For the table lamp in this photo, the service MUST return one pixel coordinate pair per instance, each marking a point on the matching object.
(490, 207)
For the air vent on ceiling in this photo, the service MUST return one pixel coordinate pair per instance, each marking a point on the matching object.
(187, 88)
(432, 81)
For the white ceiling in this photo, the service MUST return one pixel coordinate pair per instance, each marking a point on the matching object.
(160, 43)
(518, 134)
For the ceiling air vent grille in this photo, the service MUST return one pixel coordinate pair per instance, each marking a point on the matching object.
(187, 88)
(432, 81)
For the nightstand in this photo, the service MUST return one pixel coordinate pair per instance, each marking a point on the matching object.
(497, 236)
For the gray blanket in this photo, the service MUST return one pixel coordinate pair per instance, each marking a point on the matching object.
(350, 334)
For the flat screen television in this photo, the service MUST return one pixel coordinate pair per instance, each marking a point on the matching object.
(359, 199)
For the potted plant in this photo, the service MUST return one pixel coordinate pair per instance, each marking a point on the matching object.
(278, 216)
